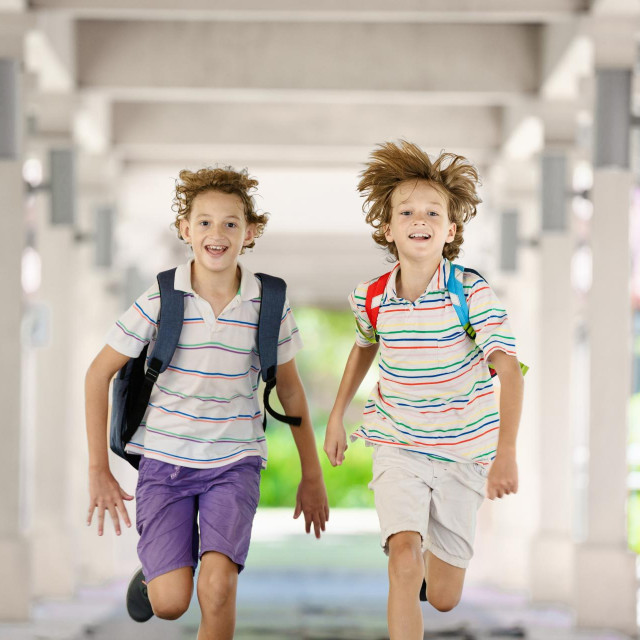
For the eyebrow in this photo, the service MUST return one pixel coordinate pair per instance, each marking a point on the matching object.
(235, 216)
(437, 204)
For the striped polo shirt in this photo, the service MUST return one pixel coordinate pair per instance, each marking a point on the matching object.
(434, 394)
(204, 410)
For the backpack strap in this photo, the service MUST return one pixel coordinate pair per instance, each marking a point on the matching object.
(274, 291)
(458, 297)
(169, 329)
(373, 300)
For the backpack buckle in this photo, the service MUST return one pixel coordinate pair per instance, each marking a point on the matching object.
(153, 370)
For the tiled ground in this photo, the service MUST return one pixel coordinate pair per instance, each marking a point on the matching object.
(294, 589)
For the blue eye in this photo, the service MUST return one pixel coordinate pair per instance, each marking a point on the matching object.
(433, 213)
(232, 225)
(405, 213)
(204, 222)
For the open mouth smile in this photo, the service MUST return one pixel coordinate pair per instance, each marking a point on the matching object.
(215, 249)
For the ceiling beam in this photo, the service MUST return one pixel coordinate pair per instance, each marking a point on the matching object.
(375, 58)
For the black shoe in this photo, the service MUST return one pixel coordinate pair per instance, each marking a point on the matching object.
(423, 591)
(138, 605)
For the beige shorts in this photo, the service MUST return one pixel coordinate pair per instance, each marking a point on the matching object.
(439, 500)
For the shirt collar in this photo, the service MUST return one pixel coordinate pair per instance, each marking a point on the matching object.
(437, 283)
(248, 286)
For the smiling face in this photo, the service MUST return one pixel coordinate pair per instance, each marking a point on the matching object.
(217, 230)
(419, 224)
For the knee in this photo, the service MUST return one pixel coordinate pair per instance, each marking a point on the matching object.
(443, 601)
(405, 561)
(215, 590)
(169, 608)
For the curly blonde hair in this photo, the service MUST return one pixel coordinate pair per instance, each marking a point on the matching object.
(391, 164)
(225, 179)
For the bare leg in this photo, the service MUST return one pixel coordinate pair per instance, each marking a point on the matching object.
(217, 585)
(406, 571)
(444, 582)
(170, 593)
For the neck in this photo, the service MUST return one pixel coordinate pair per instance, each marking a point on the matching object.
(209, 284)
(413, 277)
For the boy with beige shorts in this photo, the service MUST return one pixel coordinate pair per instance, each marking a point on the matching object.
(440, 444)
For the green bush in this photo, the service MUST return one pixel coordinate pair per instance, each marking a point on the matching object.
(328, 337)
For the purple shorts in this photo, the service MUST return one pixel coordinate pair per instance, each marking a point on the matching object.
(170, 500)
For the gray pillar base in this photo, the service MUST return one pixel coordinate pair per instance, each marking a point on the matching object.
(53, 573)
(14, 586)
(605, 588)
(552, 571)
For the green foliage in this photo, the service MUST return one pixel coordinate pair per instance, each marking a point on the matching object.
(328, 337)
(346, 485)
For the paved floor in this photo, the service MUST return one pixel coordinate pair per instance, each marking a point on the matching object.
(290, 591)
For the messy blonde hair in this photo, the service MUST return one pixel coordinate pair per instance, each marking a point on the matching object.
(391, 164)
(224, 179)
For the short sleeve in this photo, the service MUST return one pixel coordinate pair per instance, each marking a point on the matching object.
(137, 326)
(488, 317)
(289, 340)
(365, 333)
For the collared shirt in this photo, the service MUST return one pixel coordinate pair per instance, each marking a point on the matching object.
(204, 410)
(434, 394)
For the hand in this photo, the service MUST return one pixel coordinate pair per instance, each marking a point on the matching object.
(107, 495)
(335, 441)
(311, 500)
(503, 476)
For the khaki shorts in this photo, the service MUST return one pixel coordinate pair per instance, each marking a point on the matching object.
(439, 500)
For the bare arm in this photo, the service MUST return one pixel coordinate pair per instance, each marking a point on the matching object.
(105, 493)
(312, 496)
(503, 476)
(358, 363)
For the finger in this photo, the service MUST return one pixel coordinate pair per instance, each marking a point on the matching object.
(316, 526)
(100, 520)
(114, 518)
(92, 508)
(340, 456)
(330, 451)
(298, 509)
(125, 495)
(122, 510)
(326, 513)
(307, 523)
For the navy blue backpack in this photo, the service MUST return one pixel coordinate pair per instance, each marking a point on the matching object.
(132, 385)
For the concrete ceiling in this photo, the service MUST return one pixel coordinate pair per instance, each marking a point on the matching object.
(296, 85)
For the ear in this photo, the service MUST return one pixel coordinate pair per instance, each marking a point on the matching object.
(387, 233)
(249, 235)
(452, 233)
(185, 229)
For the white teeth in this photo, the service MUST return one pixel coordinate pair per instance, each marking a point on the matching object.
(420, 235)
(215, 248)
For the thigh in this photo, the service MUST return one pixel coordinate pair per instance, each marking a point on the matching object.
(444, 580)
(453, 513)
(166, 521)
(171, 590)
(227, 508)
(401, 496)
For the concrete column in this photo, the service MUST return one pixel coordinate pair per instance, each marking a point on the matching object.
(605, 576)
(14, 558)
(506, 527)
(51, 530)
(552, 548)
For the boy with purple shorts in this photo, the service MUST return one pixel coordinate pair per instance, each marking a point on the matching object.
(201, 441)
(439, 442)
